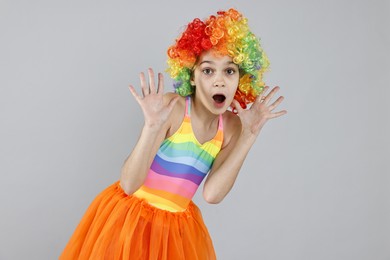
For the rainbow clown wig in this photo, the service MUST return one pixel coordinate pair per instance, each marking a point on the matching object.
(226, 34)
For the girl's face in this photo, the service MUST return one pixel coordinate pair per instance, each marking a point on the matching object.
(216, 80)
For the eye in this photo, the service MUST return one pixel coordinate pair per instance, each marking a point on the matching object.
(230, 71)
(207, 71)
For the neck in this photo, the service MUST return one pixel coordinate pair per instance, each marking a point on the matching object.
(202, 114)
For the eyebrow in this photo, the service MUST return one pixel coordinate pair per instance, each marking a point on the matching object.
(212, 62)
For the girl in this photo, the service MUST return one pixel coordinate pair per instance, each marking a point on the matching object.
(216, 64)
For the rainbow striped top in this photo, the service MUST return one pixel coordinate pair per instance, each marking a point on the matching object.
(179, 166)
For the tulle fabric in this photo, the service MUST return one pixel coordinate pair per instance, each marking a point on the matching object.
(119, 226)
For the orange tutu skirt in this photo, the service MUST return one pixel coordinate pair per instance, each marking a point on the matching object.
(121, 226)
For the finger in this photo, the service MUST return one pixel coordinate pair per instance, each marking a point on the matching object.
(271, 94)
(276, 103)
(261, 97)
(134, 93)
(144, 86)
(152, 87)
(278, 114)
(265, 89)
(160, 89)
(237, 107)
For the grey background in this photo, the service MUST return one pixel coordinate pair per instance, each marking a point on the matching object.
(314, 186)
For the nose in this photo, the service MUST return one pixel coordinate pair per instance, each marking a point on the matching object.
(219, 81)
(219, 84)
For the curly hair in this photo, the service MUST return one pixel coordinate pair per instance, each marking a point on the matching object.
(227, 33)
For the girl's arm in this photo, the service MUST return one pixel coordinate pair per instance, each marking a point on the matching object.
(135, 167)
(228, 163)
(156, 108)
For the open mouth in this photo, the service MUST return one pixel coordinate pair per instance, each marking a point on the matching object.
(219, 98)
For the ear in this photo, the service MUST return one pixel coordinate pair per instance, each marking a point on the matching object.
(192, 76)
(192, 82)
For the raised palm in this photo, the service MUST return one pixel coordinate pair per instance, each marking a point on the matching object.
(254, 118)
(155, 110)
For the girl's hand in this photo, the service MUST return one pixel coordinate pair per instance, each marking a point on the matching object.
(155, 112)
(254, 118)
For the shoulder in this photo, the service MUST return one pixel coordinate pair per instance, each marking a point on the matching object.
(231, 127)
(177, 114)
(170, 95)
(180, 104)
(231, 119)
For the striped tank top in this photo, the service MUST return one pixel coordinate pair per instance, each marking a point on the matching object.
(179, 166)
